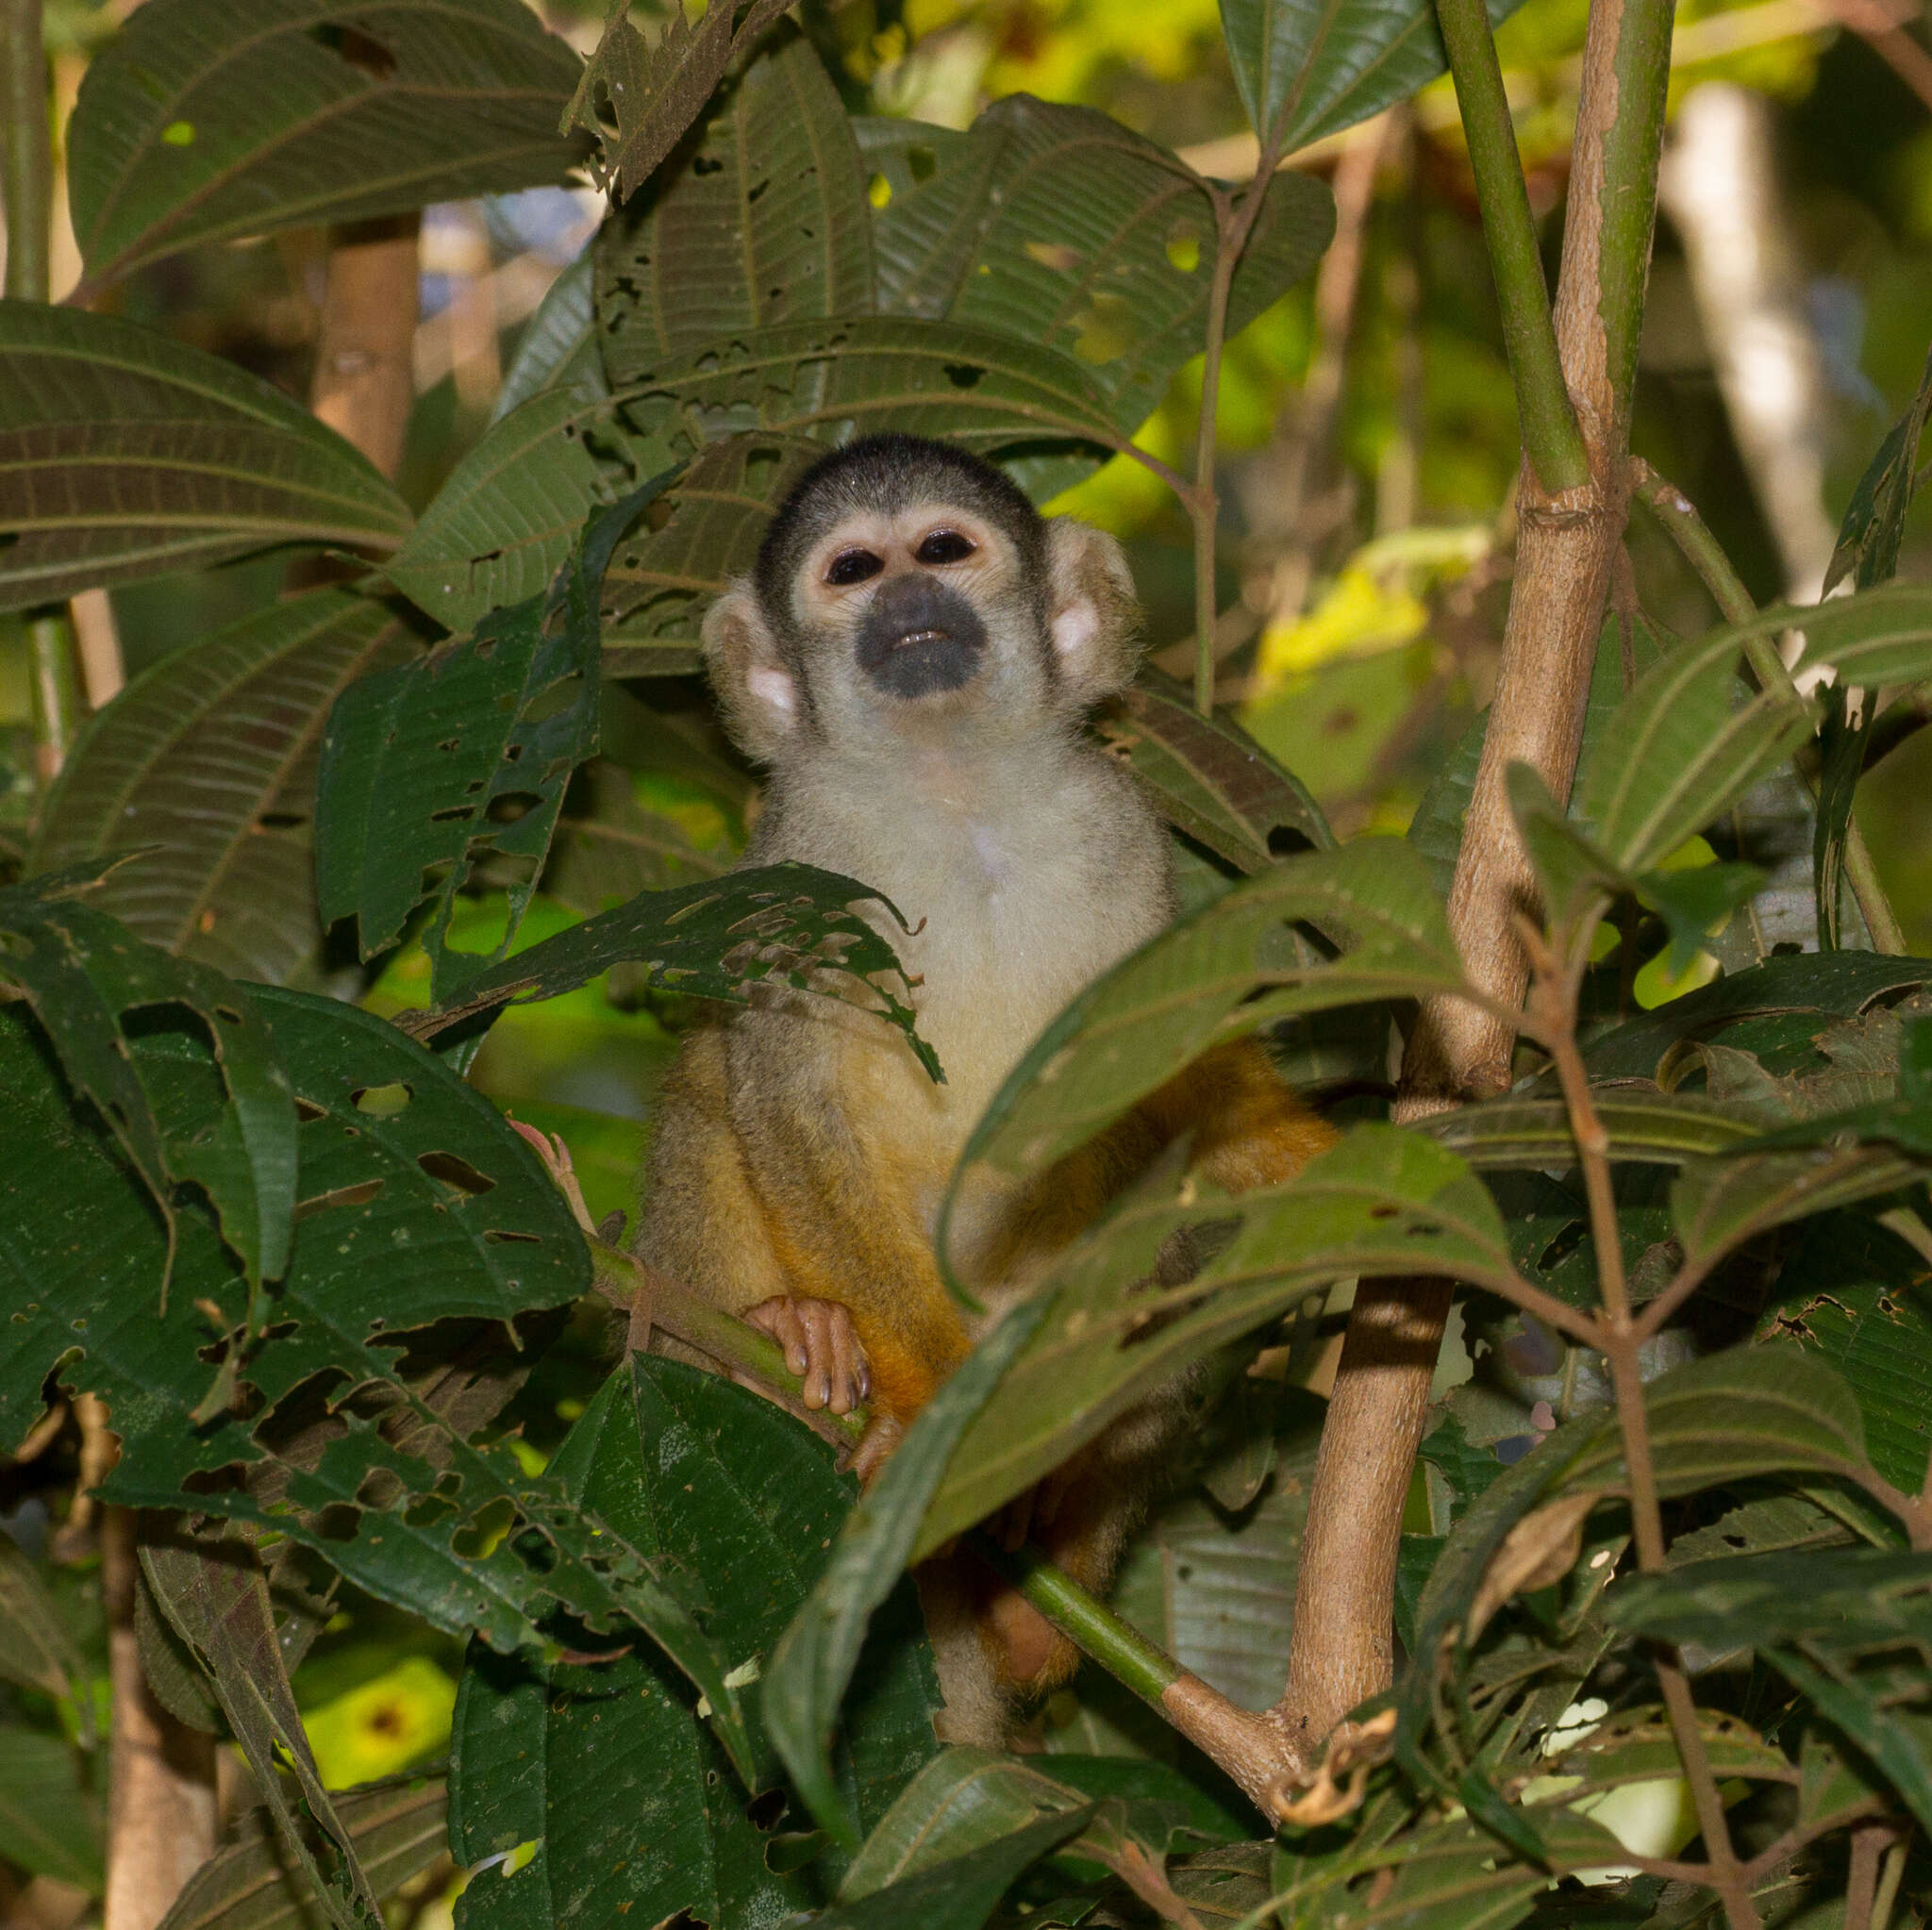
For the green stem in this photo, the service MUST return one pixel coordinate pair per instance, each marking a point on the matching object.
(1681, 522)
(1122, 1650)
(1233, 224)
(58, 705)
(1551, 436)
(28, 186)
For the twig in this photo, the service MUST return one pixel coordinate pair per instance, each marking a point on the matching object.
(1553, 994)
(1677, 515)
(27, 190)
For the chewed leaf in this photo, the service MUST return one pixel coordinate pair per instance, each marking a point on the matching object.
(785, 923)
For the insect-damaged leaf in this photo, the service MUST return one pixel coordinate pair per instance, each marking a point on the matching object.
(637, 97)
(1874, 526)
(210, 757)
(212, 120)
(608, 1769)
(464, 754)
(124, 454)
(762, 220)
(717, 939)
(421, 1206)
(92, 984)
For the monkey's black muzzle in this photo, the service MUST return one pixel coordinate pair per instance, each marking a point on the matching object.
(918, 637)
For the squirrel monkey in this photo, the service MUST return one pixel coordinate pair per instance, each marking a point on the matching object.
(912, 659)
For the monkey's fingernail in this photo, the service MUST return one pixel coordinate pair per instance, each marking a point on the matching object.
(797, 1359)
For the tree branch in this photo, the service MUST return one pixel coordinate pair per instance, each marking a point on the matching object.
(1342, 1645)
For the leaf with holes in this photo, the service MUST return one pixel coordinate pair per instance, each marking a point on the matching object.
(86, 978)
(637, 99)
(209, 758)
(507, 517)
(124, 454)
(986, 392)
(420, 1205)
(1856, 1297)
(212, 120)
(608, 1769)
(717, 939)
(1223, 971)
(1210, 778)
(1716, 1204)
(762, 220)
(1056, 225)
(465, 754)
(1381, 1202)
(1305, 70)
(662, 580)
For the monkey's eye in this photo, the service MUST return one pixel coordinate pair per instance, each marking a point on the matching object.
(944, 546)
(853, 565)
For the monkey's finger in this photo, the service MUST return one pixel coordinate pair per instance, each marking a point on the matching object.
(851, 1374)
(778, 1317)
(822, 1320)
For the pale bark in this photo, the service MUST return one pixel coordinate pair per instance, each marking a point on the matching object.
(364, 381)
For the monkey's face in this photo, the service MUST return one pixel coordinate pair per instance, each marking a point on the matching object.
(912, 608)
(914, 595)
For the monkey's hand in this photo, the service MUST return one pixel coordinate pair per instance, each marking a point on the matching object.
(820, 1346)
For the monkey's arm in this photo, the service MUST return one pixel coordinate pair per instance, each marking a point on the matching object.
(762, 1201)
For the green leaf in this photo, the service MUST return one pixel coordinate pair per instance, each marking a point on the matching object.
(1875, 525)
(812, 1665)
(608, 1767)
(1848, 1628)
(1664, 1128)
(215, 1597)
(1220, 1578)
(83, 975)
(762, 220)
(421, 1206)
(124, 454)
(1903, 1118)
(50, 1822)
(1829, 985)
(1842, 759)
(1678, 751)
(1719, 1204)
(661, 582)
(717, 939)
(36, 1647)
(1881, 636)
(1057, 226)
(1210, 778)
(1133, 1029)
(399, 1830)
(209, 759)
(1305, 71)
(1856, 1297)
(628, 836)
(1694, 901)
(1731, 1416)
(464, 753)
(962, 1892)
(558, 348)
(1435, 830)
(1572, 871)
(506, 520)
(653, 90)
(212, 120)
(987, 391)
(1380, 1202)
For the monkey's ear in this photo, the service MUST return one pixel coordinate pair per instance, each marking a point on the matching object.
(1094, 617)
(757, 693)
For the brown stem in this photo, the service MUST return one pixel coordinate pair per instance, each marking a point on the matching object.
(1568, 540)
(1861, 1882)
(161, 1782)
(364, 381)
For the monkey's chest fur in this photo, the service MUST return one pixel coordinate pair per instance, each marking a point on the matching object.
(1024, 872)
